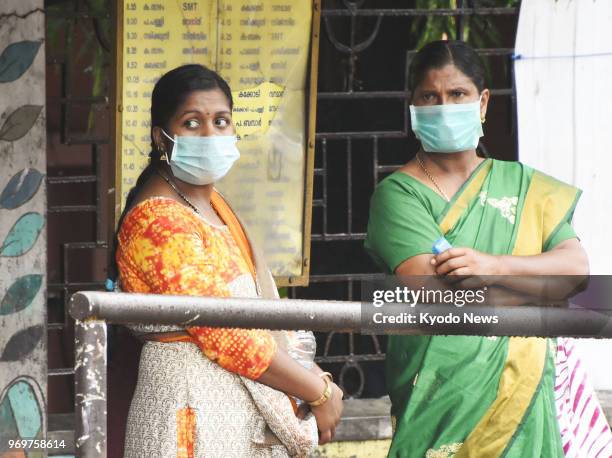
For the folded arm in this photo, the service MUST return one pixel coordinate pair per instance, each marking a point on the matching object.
(519, 273)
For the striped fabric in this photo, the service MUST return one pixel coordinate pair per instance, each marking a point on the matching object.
(585, 433)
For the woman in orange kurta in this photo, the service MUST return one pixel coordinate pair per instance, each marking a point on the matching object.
(165, 248)
(206, 391)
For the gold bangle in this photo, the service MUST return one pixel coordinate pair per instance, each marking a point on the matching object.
(327, 392)
(328, 375)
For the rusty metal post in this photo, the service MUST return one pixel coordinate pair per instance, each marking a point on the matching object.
(90, 388)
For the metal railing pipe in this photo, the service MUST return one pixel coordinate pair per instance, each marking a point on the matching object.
(340, 316)
(122, 308)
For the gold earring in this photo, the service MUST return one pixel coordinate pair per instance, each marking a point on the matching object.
(483, 119)
(164, 155)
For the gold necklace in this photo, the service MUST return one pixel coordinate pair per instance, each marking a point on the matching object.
(179, 192)
(418, 158)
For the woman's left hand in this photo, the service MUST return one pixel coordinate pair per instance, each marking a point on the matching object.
(466, 262)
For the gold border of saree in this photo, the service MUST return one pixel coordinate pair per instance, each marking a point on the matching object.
(464, 198)
(526, 358)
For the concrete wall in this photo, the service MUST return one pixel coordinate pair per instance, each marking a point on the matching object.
(564, 106)
(23, 336)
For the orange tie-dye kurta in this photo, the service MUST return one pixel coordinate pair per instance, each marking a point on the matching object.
(165, 248)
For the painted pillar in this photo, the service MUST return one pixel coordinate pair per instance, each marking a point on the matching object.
(23, 241)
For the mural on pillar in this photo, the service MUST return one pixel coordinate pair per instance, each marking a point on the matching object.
(22, 222)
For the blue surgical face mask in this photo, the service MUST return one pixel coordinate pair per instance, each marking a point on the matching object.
(202, 160)
(447, 128)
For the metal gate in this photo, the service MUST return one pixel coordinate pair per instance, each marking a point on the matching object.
(79, 173)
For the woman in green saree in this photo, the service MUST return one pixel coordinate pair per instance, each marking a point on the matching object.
(470, 396)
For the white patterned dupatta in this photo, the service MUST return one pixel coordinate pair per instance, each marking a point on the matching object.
(585, 433)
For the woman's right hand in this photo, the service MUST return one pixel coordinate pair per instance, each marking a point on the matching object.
(290, 377)
(328, 415)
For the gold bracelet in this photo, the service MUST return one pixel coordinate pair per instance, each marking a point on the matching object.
(327, 392)
(328, 375)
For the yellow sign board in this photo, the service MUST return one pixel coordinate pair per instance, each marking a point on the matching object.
(267, 52)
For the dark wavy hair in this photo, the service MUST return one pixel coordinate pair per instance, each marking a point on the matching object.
(169, 93)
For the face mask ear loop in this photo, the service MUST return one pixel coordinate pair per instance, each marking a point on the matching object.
(168, 136)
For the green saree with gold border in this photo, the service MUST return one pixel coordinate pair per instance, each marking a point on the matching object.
(471, 396)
